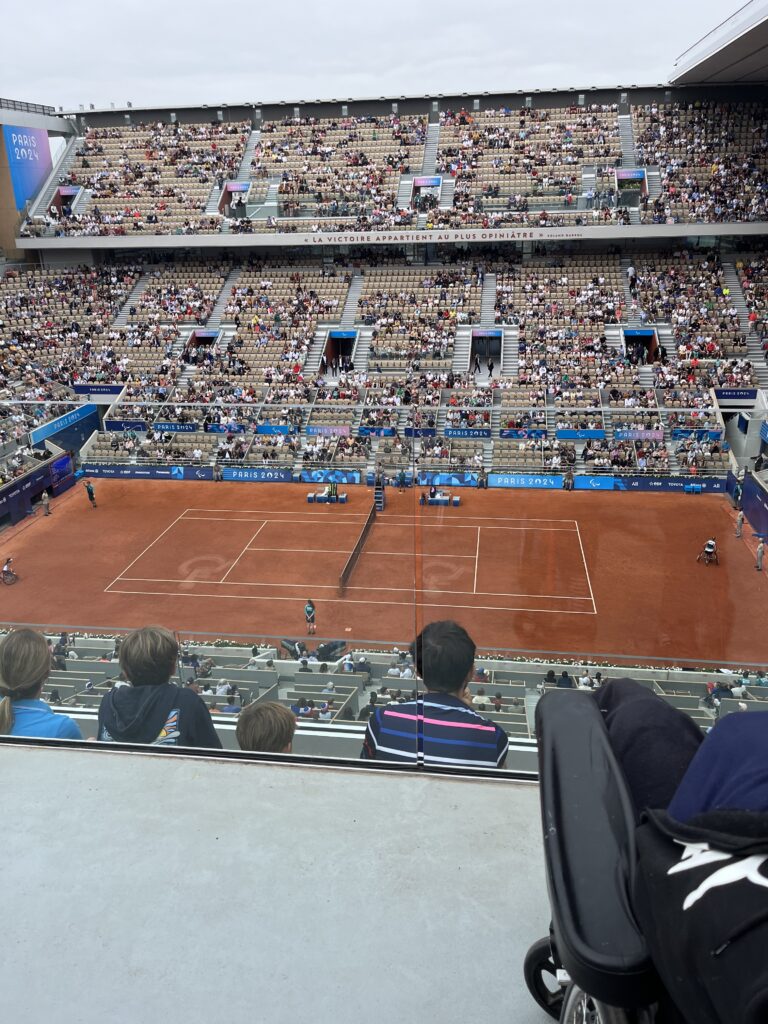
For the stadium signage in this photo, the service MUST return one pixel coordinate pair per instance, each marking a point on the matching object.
(257, 474)
(523, 432)
(98, 389)
(274, 428)
(701, 435)
(763, 431)
(224, 428)
(326, 476)
(581, 435)
(538, 480)
(331, 430)
(171, 427)
(376, 431)
(639, 435)
(667, 483)
(121, 425)
(102, 469)
(422, 237)
(593, 483)
(467, 431)
(61, 423)
(426, 479)
(420, 432)
(736, 394)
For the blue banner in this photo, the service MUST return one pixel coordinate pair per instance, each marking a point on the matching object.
(427, 181)
(125, 425)
(754, 501)
(170, 427)
(487, 334)
(29, 161)
(427, 478)
(736, 394)
(342, 334)
(533, 480)
(647, 332)
(62, 422)
(639, 435)
(274, 428)
(223, 428)
(103, 469)
(593, 483)
(763, 431)
(467, 431)
(667, 483)
(327, 476)
(98, 389)
(523, 432)
(329, 430)
(581, 435)
(420, 432)
(701, 435)
(257, 474)
(377, 431)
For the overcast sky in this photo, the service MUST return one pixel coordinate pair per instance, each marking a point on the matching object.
(154, 52)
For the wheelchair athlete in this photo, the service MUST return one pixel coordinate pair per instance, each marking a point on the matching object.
(708, 553)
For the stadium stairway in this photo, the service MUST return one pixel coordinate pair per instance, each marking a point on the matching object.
(588, 178)
(614, 339)
(630, 319)
(488, 302)
(214, 320)
(404, 191)
(447, 191)
(510, 352)
(754, 351)
(462, 349)
(674, 464)
(430, 150)
(349, 313)
(316, 349)
(138, 289)
(244, 170)
(653, 177)
(627, 138)
(212, 206)
(60, 169)
(362, 349)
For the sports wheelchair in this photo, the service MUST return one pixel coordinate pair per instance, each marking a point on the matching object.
(595, 959)
(708, 555)
(595, 966)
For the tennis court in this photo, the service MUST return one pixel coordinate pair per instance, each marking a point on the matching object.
(603, 574)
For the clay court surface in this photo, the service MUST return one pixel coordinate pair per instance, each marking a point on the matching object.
(607, 574)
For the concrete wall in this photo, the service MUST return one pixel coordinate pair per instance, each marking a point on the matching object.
(152, 887)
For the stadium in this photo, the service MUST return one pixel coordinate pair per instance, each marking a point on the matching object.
(303, 384)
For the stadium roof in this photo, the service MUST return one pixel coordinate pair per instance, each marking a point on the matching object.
(735, 51)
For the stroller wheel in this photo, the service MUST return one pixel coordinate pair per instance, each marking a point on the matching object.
(579, 1008)
(540, 972)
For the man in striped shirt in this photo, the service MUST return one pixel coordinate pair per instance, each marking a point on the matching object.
(439, 727)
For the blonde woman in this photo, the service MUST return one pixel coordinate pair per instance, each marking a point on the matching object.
(25, 664)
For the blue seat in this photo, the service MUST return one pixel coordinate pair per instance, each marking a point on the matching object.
(311, 499)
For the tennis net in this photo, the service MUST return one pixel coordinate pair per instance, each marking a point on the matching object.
(351, 562)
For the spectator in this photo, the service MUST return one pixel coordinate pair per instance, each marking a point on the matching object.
(25, 664)
(267, 727)
(233, 706)
(480, 701)
(367, 711)
(564, 680)
(153, 709)
(423, 730)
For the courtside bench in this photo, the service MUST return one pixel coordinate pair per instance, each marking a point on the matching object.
(326, 499)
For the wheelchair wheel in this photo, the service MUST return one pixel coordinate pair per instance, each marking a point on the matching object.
(579, 1008)
(540, 972)
(9, 578)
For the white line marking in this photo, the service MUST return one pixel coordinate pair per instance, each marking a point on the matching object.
(146, 549)
(396, 526)
(386, 515)
(477, 559)
(344, 551)
(348, 600)
(253, 538)
(586, 570)
(333, 586)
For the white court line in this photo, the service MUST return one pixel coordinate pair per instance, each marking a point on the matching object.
(477, 559)
(334, 586)
(344, 551)
(586, 570)
(146, 549)
(394, 526)
(286, 522)
(387, 515)
(348, 600)
(253, 538)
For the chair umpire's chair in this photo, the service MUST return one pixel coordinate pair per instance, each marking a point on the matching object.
(594, 968)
